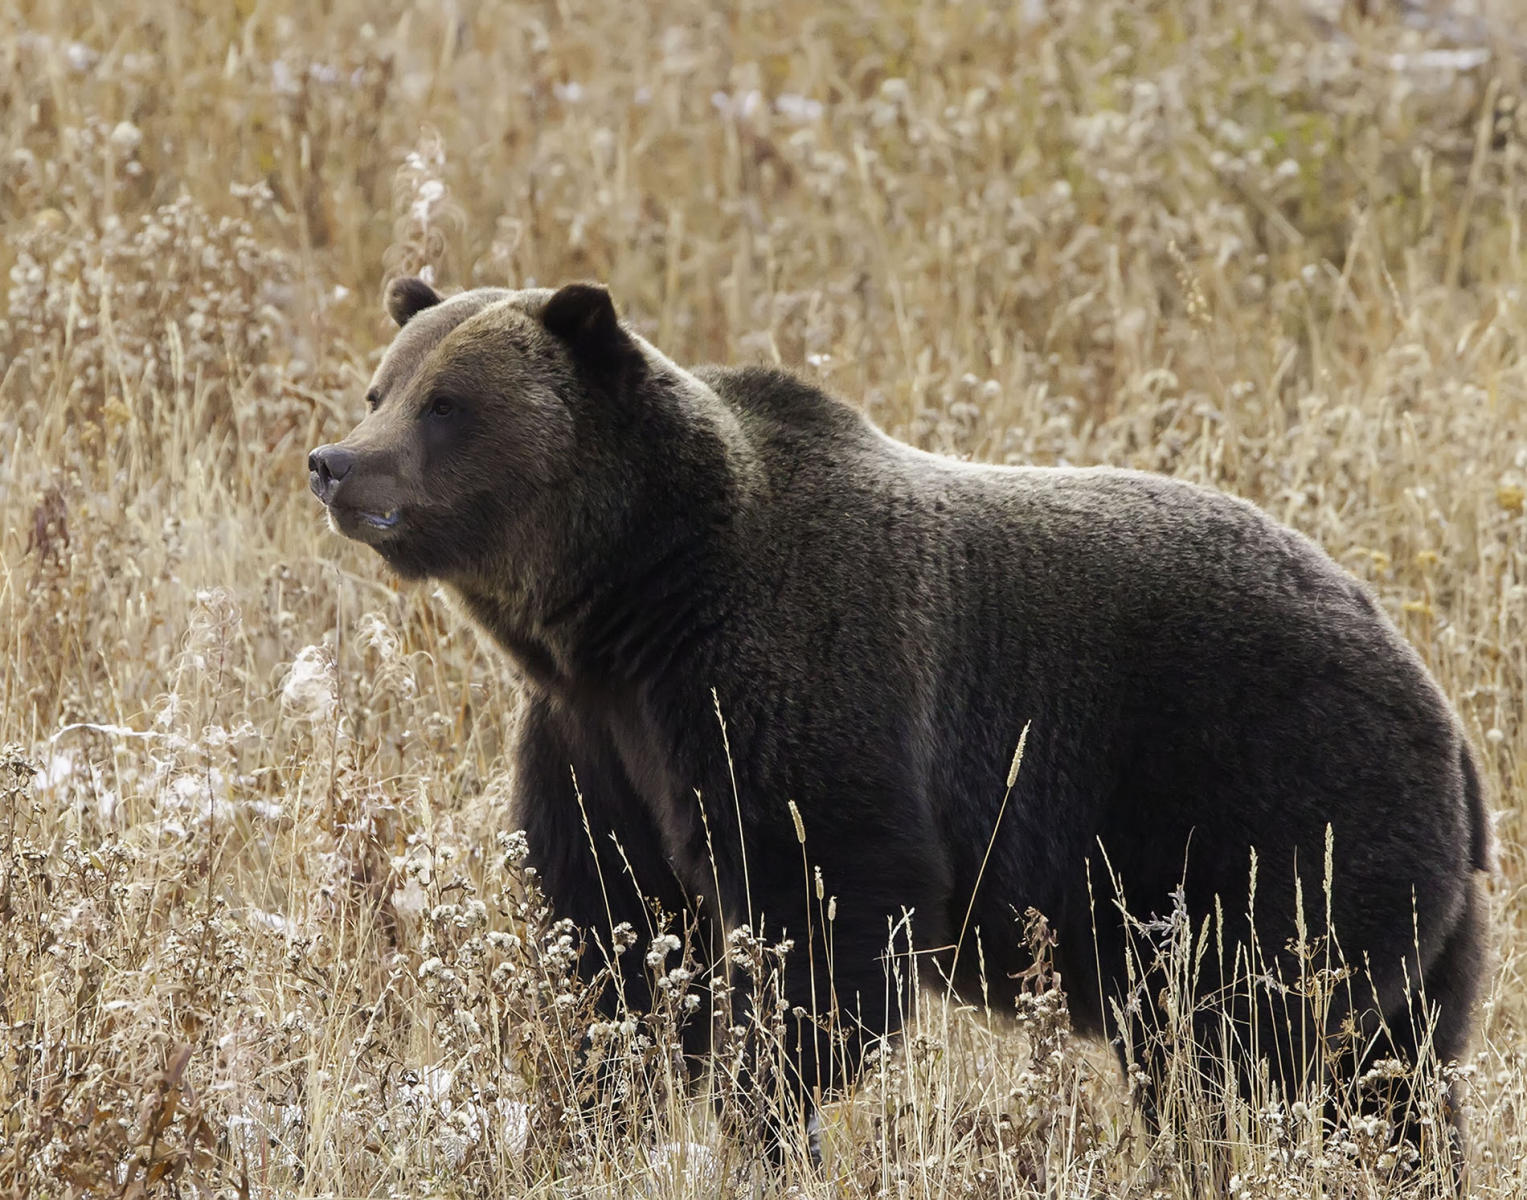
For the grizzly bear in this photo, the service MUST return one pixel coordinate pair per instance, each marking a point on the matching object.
(745, 616)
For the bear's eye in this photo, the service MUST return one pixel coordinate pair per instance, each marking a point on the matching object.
(441, 407)
(373, 398)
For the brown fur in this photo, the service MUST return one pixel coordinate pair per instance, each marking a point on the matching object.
(877, 624)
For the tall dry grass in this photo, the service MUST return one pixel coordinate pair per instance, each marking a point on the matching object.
(263, 930)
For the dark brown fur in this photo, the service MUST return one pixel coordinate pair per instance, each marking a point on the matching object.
(877, 626)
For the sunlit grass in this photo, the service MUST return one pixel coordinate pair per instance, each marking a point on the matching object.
(262, 925)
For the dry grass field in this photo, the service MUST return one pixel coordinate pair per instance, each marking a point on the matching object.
(264, 930)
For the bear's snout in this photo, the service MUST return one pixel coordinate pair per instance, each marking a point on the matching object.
(327, 468)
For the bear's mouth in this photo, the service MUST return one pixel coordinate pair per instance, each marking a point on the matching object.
(370, 525)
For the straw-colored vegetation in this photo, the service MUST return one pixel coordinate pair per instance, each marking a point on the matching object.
(263, 928)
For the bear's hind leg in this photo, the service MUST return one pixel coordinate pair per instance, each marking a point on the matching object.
(1430, 1031)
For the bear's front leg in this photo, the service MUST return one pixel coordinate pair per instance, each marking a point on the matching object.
(599, 863)
(810, 1013)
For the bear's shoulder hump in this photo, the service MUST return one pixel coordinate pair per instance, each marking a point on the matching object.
(774, 395)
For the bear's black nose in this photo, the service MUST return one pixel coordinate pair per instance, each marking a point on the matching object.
(327, 466)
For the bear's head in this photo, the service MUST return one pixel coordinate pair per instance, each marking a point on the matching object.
(476, 439)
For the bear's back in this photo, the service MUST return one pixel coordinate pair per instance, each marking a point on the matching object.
(1158, 576)
(1190, 623)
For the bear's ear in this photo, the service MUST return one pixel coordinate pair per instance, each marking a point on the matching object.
(583, 316)
(408, 297)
